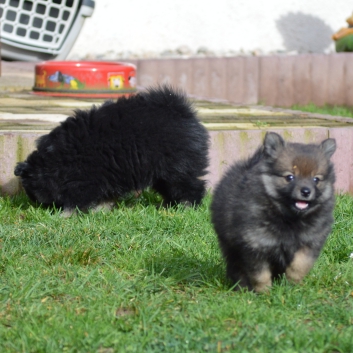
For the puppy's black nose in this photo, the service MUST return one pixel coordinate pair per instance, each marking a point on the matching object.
(305, 191)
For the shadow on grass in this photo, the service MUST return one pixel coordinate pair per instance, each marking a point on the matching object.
(193, 272)
(144, 198)
(189, 271)
(20, 201)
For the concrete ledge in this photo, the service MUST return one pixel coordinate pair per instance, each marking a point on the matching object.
(230, 146)
(226, 147)
(14, 147)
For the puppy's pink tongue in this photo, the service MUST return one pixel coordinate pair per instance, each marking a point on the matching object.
(302, 205)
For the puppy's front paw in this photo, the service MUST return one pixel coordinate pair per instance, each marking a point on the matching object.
(302, 263)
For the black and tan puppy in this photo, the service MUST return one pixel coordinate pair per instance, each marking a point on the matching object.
(273, 212)
(152, 139)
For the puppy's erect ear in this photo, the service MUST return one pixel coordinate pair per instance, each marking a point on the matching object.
(329, 147)
(273, 145)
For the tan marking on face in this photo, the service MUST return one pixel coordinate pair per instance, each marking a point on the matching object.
(262, 280)
(305, 166)
(302, 263)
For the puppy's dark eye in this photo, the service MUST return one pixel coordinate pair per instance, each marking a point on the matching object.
(316, 180)
(289, 177)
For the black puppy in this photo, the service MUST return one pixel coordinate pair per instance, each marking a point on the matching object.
(152, 139)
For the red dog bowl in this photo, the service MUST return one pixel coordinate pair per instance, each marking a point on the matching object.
(89, 79)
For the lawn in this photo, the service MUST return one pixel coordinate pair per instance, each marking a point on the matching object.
(145, 279)
(327, 109)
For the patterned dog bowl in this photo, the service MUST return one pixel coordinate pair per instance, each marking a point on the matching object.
(89, 79)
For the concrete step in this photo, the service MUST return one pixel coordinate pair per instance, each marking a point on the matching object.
(236, 131)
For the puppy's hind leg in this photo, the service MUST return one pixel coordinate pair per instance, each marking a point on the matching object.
(187, 191)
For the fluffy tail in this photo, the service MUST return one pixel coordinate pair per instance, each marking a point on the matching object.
(168, 96)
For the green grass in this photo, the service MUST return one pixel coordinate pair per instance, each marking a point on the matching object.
(327, 109)
(142, 279)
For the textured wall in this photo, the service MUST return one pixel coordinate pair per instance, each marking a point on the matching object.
(275, 80)
(226, 147)
(143, 27)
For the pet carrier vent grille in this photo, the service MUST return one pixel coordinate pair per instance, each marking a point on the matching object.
(42, 24)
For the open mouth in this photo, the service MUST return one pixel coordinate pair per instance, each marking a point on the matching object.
(301, 205)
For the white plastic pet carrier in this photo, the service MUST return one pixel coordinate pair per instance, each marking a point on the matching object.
(34, 30)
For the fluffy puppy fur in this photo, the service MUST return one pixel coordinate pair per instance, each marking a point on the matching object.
(273, 212)
(152, 139)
